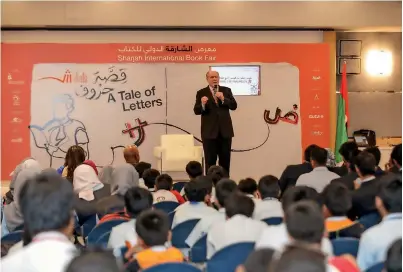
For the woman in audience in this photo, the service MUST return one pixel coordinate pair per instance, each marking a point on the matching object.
(92, 164)
(124, 177)
(74, 157)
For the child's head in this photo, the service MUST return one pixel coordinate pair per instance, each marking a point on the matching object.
(94, 260)
(216, 173)
(223, 190)
(164, 182)
(298, 193)
(389, 197)
(239, 204)
(258, 261)
(137, 200)
(149, 177)
(141, 167)
(199, 189)
(194, 169)
(248, 186)
(337, 200)
(153, 228)
(268, 187)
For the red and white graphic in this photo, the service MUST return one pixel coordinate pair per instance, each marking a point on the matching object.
(68, 78)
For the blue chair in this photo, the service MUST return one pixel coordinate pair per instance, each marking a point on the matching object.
(198, 253)
(171, 216)
(178, 186)
(370, 220)
(273, 221)
(181, 232)
(173, 267)
(345, 246)
(13, 237)
(20, 227)
(166, 206)
(103, 240)
(101, 229)
(228, 258)
(87, 226)
(376, 268)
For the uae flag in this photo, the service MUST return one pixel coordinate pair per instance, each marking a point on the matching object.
(342, 115)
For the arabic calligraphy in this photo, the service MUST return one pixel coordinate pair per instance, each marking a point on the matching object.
(290, 117)
(175, 49)
(235, 79)
(168, 48)
(205, 50)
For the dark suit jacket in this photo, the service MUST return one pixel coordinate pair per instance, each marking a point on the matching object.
(215, 118)
(347, 180)
(364, 199)
(291, 173)
(339, 170)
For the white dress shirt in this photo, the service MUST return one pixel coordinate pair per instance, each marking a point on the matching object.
(48, 252)
(122, 233)
(192, 210)
(277, 238)
(318, 178)
(375, 241)
(164, 195)
(236, 229)
(268, 207)
(204, 225)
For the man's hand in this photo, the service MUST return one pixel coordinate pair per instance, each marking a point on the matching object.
(204, 100)
(219, 95)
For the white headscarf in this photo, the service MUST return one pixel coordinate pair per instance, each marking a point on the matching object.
(85, 182)
(26, 164)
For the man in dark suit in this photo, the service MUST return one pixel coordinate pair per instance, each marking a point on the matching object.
(213, 104)
(349, 179)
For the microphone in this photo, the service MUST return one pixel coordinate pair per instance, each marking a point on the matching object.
(215, 89)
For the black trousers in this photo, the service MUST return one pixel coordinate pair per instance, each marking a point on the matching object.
(220, 147)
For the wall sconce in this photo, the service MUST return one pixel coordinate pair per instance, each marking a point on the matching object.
(379, 62)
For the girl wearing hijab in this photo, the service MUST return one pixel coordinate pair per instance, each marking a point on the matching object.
(123, 178)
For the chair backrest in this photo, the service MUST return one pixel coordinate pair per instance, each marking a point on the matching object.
(228, 258)
(12, 237)
(101, 229)
(177, 145)
(272, 221)
(178, 186)
(181, 232)
(173, 267)
(198, 253)
(376, 268)
(166, 206)
(370, 220)
(103, 240)
(345, 246)
(171, 216)
(88, 225)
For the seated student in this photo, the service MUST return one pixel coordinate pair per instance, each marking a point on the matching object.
(47, 208)
(277, 237)
(394, 257)
(270, 206)
(136, 200)
(258, 261)
(375, 241)
(336, 203)
(216, 173)
(248, 186)
(153, 232)
(163, 190)
(348, 180)
(149, 177)
(395, 162)
(224, 189)
(140, 168)
(374, 150)
(94, 261)
(194, 169)
(198, 193)
(239, 226)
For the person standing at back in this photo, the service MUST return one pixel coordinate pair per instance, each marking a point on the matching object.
(213, 104)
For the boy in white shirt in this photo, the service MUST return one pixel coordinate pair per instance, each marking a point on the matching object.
(224, 188)
(149, 177)
(136, 200)
(163, 186)
(239, 226)
(270, 206)
(198, 193)
(248, 186)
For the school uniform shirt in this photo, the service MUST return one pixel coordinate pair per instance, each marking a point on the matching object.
(277, 238)
(318, 178)
(123, 234)
(375, 241)
(268, 207)
(236, 229)
(48, 252)
(342, 226)
(192, 210)
(204, 225)
(164, 195)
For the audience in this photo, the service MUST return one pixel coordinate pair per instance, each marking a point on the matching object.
(163, 187)
(194, 169)
(94, 261)
(257, 261)
(320, 176)
(374, 150)
(216, 173)
(349, 162)
(149, 177)
(337, 202)
(277, 237)
(293, 172)
(198, 193)
(248, 186)
(395, 162)
(153, 231)
(375, 241)
(224, 189)
(270, 206)
(346, 151)
(75, 156)
(136, 200)
(239, 226)
(47, 208)
(394, 257)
